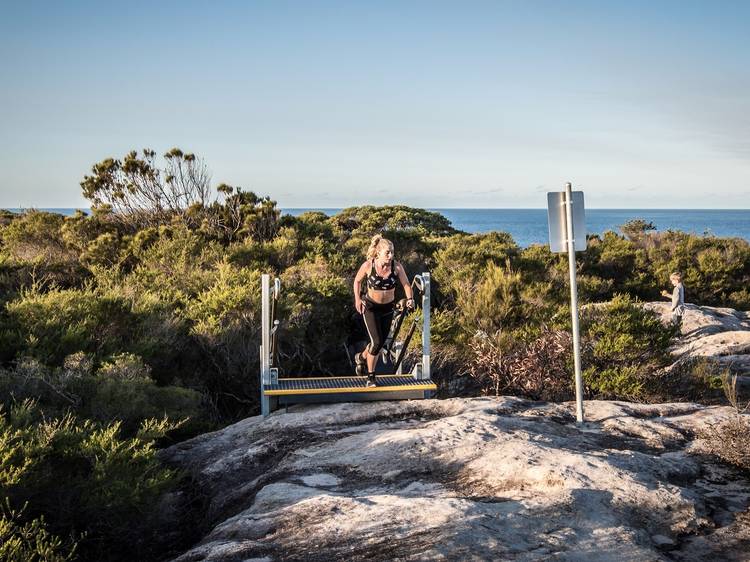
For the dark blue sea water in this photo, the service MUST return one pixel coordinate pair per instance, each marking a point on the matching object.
(529, 226)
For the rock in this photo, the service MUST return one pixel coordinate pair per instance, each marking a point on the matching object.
(701, 321)
(719, 334)
(466, 479)
(660, 541)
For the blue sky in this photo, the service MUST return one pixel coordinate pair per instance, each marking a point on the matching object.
(432, 104)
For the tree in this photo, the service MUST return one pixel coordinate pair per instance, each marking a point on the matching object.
(142, 194)
(636, 228)
(242, 215)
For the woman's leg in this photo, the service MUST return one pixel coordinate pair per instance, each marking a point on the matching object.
(378, 322)
(372, 324)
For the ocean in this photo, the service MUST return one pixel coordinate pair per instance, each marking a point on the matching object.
(529, 226)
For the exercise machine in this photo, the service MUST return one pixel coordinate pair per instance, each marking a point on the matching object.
(276, 392)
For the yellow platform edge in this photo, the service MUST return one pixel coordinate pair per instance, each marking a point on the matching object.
(427, 386)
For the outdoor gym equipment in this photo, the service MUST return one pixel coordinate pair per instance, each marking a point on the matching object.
(276, 392)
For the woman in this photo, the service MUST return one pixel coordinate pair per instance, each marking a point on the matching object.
(381, 273)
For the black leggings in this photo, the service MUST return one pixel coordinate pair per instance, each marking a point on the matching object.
(378, 323)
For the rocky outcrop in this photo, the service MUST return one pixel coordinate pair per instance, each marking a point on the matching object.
(468, 479)
(719, 334)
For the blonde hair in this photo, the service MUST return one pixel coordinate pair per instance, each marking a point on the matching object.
(676, 275)
(375, 243)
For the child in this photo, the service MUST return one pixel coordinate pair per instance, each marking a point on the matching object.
(678, 297)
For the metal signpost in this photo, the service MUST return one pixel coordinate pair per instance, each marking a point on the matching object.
(567, 233)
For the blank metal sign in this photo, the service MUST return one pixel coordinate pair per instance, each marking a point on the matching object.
(558, 237)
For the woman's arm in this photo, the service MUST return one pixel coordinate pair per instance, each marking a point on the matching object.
(361, 274)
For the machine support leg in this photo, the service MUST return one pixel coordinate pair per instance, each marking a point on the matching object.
(425, 374)
(265, 343)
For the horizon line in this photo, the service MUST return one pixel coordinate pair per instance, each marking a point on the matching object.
(32, 207)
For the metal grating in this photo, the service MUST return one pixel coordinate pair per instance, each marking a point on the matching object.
(350, 384)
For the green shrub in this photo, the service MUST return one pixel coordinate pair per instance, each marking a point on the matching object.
(495, 302)
(462, 260)
(120, 391)
(697, 379)
(58, 323)
(624, 344)
(35, 237)
(84, 477)
(30, 541)
(34, 254)
(225, 323)
(369, 220)
(177, 265)
(315, 310)
(123, 366)
(739, 299)
(635, 229)
(162, 337)
(242, 215)
(129, 402)
(713, 268)
(625, 266)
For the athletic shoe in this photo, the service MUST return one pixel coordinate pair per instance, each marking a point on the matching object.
(360, 364)
(371, 382)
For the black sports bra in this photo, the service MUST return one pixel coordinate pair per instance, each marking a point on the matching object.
(378, 283)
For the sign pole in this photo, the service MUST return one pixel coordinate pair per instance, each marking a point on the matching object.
(574, 300)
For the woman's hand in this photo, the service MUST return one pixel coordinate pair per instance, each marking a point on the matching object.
(359, 306)
(410, 303)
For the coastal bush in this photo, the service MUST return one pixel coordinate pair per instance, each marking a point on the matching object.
(623, 345)
(502, 363)
(49, 326)
(289, 248)
(635, 229)
(119, 391)
(86, 481)
(225, 323)
(465, 256)
(141, 193)
(730, 439)
(696, 379)
(243, 215)
(713, 268)
(95, 238)
(129, 402)
(739, 299)
(495, 301)
(315, 316)
(33, 254)
(623, 265)
(29, 540)
(369, 220)
(173, 262)
(35, 236)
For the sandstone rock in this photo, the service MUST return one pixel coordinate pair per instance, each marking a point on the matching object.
(467, 479)
(719, 334)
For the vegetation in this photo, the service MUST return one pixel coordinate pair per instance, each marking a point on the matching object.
(138, 325)
(730, 440)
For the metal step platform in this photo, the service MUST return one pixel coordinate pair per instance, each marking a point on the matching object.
(276, 391)
(348, 389)
(324, 385)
